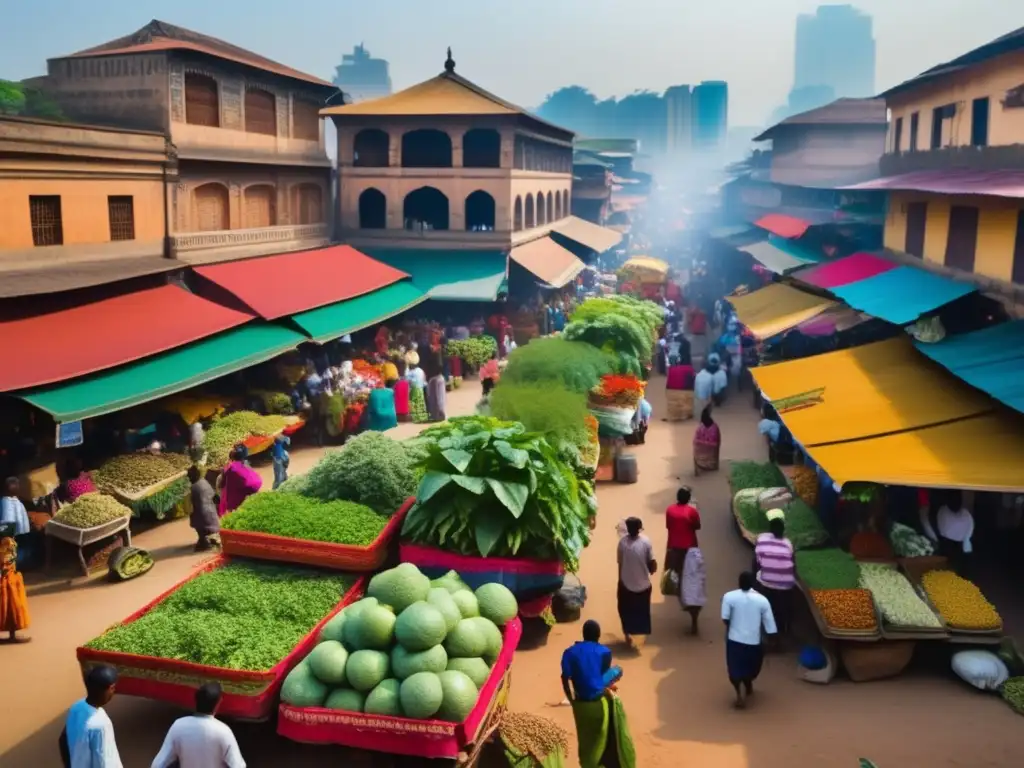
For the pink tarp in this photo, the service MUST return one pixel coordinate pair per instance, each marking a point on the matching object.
(953, 181)
(851, 269)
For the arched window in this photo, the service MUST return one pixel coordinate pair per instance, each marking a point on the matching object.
(425, 208)
(307, 204)
(558, 206)
(551, 208)
(373, 209)
(210, 206)
(481, 148)
(305, 120)
(260, 112)
(426, 148)
(480, 212)
(260, 209)
(530, 221)
(517, 214)
(542, 210)
(566, 210)
(202, 100)
(370, 148)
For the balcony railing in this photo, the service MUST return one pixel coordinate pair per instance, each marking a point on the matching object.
(1007, 157)
(232, 238)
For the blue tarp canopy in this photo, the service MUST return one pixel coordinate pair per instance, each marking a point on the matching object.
(902, 295)
(991, 360)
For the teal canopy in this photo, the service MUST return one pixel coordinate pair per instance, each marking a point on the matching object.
(449, 275)
(334, 320)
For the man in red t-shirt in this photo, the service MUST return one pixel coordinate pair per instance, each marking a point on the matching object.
(683, 521)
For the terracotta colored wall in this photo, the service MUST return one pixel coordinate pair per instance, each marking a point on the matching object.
(83, 209)
(992, 79)
(997, 229)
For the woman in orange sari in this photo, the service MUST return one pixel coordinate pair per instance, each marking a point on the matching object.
(13, 603)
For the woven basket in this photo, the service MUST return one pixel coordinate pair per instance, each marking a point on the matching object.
(876, 661)
(678, 405)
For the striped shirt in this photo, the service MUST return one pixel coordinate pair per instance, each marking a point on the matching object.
(775, 558)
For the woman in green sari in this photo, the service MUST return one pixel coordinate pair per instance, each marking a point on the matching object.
(589, 680)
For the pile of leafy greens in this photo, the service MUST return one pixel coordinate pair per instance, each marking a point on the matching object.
(490, 488)
(567, 364)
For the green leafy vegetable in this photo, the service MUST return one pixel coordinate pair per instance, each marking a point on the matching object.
(134, 472)
(754, 474)
(91, 510)
(475, 351)
(371, 469)
(803, 527)
(163, 501)
(630, 342)
(828, 569)
(490, 488)
(647, 314)
(574, 365)
(301, 517)
(244, 616)
(558, 414)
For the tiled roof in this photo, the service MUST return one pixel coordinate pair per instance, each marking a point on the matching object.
(161, 36)
(839, 112)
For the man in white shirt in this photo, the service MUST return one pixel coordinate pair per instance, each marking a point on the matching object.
(201, 740)
(745, 612)
(88, 738)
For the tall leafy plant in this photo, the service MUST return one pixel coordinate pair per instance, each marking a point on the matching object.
(492, 489)
(572, 365)
(627, 340)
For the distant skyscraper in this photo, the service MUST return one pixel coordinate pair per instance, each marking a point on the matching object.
(679, 106)
(835, 47)
(361, 76)
(710, 114)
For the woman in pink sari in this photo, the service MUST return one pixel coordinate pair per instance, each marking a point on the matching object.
(707, 443)
(237, 482)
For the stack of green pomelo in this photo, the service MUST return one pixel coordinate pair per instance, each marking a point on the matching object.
(411, 648)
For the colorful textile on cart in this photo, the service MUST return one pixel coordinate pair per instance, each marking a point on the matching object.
(526, 578)
(601, 726)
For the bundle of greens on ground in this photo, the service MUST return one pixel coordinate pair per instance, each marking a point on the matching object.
(754, 474)
(411, 648)
(491, 488)
(301, 517)
(129, 562)
(227, 431)
(135, 472)
(91, 510)
(572, 365)
(558, 414)
(242, 615)
(371, 469)
(828, 569)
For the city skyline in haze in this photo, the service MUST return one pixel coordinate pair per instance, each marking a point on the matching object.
(526, 51)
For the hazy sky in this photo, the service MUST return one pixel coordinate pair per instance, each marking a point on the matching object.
(524, 49)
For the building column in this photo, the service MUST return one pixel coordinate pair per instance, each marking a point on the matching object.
(395, 149)
(456, 137)
(508, 148)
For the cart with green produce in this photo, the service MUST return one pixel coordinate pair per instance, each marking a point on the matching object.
(89, 519)
(803, 526)
(239, 623)
(249, 428)
(147, 483)
(415, 668)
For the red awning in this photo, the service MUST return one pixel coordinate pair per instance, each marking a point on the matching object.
(275, 286)
(953, 181)
(56, 346)
(789, 227)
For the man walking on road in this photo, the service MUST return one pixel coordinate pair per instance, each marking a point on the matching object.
(745, 612)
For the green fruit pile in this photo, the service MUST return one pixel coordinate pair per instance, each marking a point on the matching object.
(91, 510)
(411, 648)
(226, 432)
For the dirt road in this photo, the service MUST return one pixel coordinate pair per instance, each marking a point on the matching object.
(675, 691)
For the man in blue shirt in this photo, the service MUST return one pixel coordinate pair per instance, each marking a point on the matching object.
(588, 666)
(281, 459)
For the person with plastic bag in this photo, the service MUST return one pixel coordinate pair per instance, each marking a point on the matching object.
(682, 521)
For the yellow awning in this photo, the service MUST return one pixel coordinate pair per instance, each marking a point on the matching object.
(866, 391)
(549, 261)
(777, 308)
(982, 454)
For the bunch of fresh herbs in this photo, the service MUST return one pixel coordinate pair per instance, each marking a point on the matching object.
(300, 517)
(558, 414)
(572, 365)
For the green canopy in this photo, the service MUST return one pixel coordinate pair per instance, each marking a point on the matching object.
(449, 275)
(334, 320)
(164, 374)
